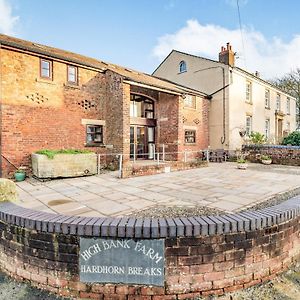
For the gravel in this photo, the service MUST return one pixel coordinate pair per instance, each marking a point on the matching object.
(182, 211)
(176, 211)
(277, 199)
(284, 287)
(13, 290)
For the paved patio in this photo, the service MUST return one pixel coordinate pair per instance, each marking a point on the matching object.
(221, 185)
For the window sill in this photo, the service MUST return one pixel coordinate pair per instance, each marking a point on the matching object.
(190, 108)
(190, 144)
(72, 85)
(45, 80)
(267, 107)
(249, 102)
(182, 72)
(99, 145)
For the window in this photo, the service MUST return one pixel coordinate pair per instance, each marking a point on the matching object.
(267, 98)
(72, 74)
(94, 134)
(182, 66)
(288, 105)
(141, 107)
(190, 101)
(46, 68)
(278, 102)
(288, 126)
(248, 92)
(248, 125)
(267, 128)
(190, 136)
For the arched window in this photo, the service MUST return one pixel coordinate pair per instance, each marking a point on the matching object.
(182, 66)
(141, 107)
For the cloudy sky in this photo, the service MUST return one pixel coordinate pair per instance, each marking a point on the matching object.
(140, 33)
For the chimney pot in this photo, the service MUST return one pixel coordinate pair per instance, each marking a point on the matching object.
(226, 55)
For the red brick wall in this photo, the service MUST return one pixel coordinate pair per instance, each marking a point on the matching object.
(198, 120)
(194, 266)
(168, 123)
(39, 114)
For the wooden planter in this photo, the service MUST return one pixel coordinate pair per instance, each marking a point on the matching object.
(64, 165)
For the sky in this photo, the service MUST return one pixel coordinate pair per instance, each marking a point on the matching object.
(139, 34)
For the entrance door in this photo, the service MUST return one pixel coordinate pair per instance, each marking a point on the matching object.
(141, 142)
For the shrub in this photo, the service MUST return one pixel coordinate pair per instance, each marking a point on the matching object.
(265, 157)
(51, 153)
(257, 138)
(292, 139)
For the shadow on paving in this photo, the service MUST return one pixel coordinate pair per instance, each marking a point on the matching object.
(13, 290)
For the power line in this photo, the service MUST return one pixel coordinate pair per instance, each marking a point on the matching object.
(241, 31)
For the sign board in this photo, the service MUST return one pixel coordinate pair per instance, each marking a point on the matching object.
(122, 261)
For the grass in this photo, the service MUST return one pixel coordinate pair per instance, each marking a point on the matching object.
(51, 153)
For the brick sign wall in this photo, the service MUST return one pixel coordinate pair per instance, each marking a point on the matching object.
(202, 255)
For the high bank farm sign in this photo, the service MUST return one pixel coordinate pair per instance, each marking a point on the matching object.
(122, 261)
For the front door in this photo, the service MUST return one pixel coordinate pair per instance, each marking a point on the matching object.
(141, 142)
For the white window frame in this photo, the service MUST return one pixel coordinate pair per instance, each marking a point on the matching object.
(267, 98)
(248, 91)
(248, 125)
(190, 136)
(278, 102)
(288, 105)
(190, 101)
(267, 128)
(182, 67)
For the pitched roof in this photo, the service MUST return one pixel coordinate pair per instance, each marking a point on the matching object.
(71, 57)
(218, 62)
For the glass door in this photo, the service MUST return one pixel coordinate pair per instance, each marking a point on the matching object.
(151, 142)
(142, 142)
(132, 142)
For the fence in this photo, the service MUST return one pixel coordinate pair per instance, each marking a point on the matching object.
(142, 163)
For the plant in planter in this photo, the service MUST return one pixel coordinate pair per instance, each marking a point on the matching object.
(242, 163)
(20, 174)
(266, 159)
(257, 138)
(63, 163)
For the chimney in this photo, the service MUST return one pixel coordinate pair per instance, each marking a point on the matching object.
(257, 74)
(226, 55)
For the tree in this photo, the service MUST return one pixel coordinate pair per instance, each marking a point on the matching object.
(290, 83)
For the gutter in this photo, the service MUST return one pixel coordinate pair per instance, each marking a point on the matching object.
(48, 54)
(153, 87)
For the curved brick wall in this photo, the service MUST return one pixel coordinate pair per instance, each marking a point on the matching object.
(203, 255)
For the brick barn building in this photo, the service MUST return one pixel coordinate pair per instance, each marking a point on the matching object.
(54, 99)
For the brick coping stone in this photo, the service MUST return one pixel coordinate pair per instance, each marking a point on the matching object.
(271, 146)
(147, 228)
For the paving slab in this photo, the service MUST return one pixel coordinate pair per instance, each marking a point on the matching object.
(220, 186)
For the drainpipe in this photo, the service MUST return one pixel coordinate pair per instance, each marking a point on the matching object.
(1, 161)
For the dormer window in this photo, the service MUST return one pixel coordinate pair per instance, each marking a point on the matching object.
(182, 66)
